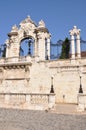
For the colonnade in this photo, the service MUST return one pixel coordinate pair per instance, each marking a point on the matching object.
(75, 39)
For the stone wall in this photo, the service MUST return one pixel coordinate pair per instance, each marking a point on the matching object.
(66, 79)
(35, 77)
(33, 74)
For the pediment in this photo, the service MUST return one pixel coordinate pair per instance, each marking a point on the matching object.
(28, 23)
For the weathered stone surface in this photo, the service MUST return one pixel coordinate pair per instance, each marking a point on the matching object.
(28, 74)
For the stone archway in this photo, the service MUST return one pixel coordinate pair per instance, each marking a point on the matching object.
(27, 47)
(28, 29)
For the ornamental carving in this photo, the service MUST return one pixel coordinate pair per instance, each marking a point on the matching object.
(41, 24)
(14, 29)
(20, 37)
(27, 20)
(14, 67)
(75, 31)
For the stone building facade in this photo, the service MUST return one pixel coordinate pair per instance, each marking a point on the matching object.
(32, 76)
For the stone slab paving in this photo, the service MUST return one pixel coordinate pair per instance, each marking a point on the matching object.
(14, 119)
(66, 108)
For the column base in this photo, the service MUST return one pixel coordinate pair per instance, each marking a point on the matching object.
(73, 56)
(78, 56)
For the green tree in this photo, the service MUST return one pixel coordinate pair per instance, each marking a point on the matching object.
(65, 49)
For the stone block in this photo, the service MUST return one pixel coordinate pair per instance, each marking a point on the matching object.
(80, 108)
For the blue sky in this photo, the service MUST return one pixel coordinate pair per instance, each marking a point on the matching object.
(59, 16)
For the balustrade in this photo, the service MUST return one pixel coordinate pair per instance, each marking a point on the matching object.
(27, 98)
(15, 59)
(39, 98)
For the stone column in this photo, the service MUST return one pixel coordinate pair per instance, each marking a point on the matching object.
(78, 46)
(51, 100)
(28, 98)
(72, 47)
(35, 48)
(7, 48)
(41, 48)
(48, 48)
(7, 51)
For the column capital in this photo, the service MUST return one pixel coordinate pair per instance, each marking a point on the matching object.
(78, 37)
(72, 37)
(75, 31)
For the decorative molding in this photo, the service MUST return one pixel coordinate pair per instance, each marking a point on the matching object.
(14, 67)
(75, 31)
(65, 68)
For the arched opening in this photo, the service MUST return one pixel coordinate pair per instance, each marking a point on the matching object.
(3, 50)
(27, 47)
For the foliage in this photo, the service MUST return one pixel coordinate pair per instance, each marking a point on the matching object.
(65, 49)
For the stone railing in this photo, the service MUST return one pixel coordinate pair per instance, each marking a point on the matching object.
(15, 59)
(81, 102)
(39, 98)
(27, 100)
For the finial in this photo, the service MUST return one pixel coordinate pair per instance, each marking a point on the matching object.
(41, 23)
(14, 28)
(75, 27)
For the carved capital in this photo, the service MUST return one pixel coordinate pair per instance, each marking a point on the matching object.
(75, 31)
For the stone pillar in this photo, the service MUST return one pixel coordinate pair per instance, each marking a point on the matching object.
(48, 48)
(35, 48)
(72, 47)
(75, 32)
(41, 49)
(7, 51)
(78, 46)
(81, 100)
(51, 101)
(7, 48)
(28, 98)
